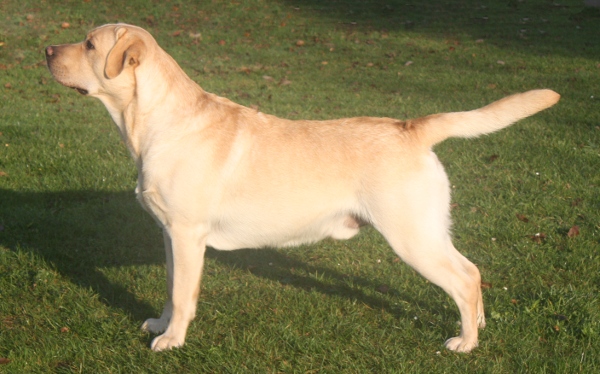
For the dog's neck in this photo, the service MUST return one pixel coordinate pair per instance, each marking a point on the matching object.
(135, 115)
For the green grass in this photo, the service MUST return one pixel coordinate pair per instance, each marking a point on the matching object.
(81, 265)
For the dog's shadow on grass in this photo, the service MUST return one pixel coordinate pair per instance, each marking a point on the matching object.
(82, 233)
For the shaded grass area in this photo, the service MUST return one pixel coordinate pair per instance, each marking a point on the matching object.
(81, 265)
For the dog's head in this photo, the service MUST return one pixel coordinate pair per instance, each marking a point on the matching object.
(104, 64)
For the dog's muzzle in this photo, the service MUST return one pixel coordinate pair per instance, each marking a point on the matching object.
(50, 56)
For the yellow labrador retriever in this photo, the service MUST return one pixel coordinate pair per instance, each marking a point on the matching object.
(215, 173)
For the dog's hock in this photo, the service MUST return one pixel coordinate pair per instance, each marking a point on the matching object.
(127, 51)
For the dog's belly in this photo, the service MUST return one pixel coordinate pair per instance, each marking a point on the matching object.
(237, 234)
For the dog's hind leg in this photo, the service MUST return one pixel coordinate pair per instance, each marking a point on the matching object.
(474, 272)
(414, 218)
(432, 257)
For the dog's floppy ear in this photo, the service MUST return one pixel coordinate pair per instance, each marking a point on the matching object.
(128, 50)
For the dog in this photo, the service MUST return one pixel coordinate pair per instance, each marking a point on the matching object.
(215, 173)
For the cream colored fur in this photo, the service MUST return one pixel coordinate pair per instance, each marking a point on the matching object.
(215, 173)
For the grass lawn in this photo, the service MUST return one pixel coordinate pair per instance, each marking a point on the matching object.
(81, 265)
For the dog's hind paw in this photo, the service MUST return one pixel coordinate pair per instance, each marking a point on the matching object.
(155, 325)
(459, 344)
(164, 342)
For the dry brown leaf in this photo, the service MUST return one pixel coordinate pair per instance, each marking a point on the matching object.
(538, 238)
(4, 361)
(522, 217)
(177, 33)
(300, 43)
(486, 285)
(65, 25)
(268, 78)
(573, 232)
(222, 42)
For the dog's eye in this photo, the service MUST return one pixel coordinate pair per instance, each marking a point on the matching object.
(89, 45)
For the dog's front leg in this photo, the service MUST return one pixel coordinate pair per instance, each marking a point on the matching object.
(159, 325)
(187, 251)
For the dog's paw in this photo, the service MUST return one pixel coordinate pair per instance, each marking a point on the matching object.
(155, 325)
(481, 321)
(164, 342)
(458, 344)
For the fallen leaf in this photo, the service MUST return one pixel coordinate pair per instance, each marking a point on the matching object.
(64, 329)
(65, 25)
(573, 232)
(300, 43)
(8, 85)
(222, 42)
(324, 63)
(370, 64)
(479, 41)
(522, 217)
(486, 285)
(493, 158)
(538, 238)
(195, 35)
(408, 63)
(285, 82)
(556, 328)
(268, 78)
(514, 301)
(30, 17)
(3, 173)
(4, 361)
(500, 62)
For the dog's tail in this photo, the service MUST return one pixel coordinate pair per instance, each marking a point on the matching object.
(493, 117)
